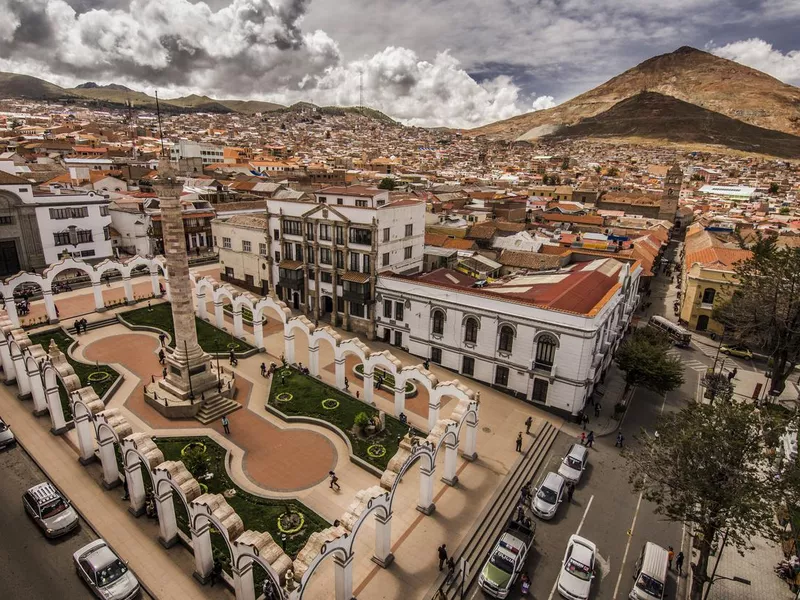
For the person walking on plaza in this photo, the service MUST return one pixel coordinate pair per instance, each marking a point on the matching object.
(263, 369)
(164, 372)
(679, 562)
(597, 408)
(584, 420)
(232, 358)
(346, 385)
(335, 482)
(583, 438)
(670, 556)
(519, 442)
(590, 440)
(161, 356)
(528, 423)
(226, 424)
(620, 440)
(442, 550)
(162, 337)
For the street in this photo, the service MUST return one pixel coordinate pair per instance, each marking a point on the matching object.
(33, 566)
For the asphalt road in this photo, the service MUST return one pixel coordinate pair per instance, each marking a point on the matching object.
(605, 509)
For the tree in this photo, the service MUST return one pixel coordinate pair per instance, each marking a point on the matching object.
(774, 188)
(718, 387)
(713, 467)
(196, 461)
(387, 183)
(784, 210)
(565, 164)
(764, 309)
(613, 172)
(643, 357)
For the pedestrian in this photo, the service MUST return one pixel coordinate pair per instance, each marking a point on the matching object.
(346, 385)
(77, 326)
(670, 556)
(583, 438)
(451, 568)
(584, 420)
(519, 442)
(162, 337)
(597, 408)
(620, 440)
(590, 439)
(427, 364)
(520, 512)
(570, 491)
(164, 372)
(232, 358)
(263, 369)
(125, 488)
(528, 423)
(734, 372)
(335, 482)
(679, 562)
(58, 312)
(226, 424)
(161, 356)
(442, 550)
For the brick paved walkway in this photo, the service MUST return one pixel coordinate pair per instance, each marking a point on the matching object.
(276, 459)
(757, 566)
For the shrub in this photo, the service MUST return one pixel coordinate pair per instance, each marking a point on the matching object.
(362, 420)
(196, 461)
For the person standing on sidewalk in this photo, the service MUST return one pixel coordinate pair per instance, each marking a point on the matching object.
(590, 440)
(226, 424)
(528, 423)
(597, 408)
(442, 550)
(670, 556)
(519, 442)
(679, 562)
(620, 440)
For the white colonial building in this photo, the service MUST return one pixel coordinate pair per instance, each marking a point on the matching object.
(241, 242)
(547, 338)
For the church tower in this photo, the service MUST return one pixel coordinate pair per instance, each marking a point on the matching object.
(672, 191)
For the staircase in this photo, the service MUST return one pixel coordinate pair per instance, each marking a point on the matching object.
(480, 539)
(215, 408)
(91, 324)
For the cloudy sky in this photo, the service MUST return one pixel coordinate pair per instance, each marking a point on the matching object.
(458, 63)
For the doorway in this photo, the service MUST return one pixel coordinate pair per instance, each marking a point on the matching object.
(702, 322)
(296, 301)
(327, 305)
(9, 259)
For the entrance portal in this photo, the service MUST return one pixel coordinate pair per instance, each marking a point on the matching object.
(9, 259)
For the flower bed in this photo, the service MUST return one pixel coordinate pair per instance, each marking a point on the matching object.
(310, 397)
(388, 380)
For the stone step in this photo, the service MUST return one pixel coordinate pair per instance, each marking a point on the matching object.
(216, 408)
(92, 325)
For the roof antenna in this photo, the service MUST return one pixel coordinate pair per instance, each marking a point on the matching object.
(160, 132)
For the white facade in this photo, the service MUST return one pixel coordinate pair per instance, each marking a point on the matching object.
(506, 347)
(208, 153)
(241, 244)
(132, 227)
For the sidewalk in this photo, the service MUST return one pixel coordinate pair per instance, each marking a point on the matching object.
(612, 389)
(166, 574)
(757, 567)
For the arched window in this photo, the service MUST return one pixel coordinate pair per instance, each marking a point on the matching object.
(471, 330)
(438, 322)
(708, 295)
(546, 351)
(506, 339)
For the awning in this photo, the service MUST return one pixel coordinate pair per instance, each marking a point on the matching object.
(291, 265)
(355, 277)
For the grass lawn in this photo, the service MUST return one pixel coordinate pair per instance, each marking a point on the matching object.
(209, 337)
(100, 377)
(307, 396)
(256, 513)
(247, 315)
(388, 378)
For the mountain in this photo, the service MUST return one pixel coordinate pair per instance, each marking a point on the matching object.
(654, 116)
(14, 85)
(690, 75)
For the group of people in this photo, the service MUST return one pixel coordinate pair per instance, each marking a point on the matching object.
(80, 325)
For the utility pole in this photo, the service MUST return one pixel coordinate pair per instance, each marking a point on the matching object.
(160, 131)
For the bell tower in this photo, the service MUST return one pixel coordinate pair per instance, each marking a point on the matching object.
(671, 193)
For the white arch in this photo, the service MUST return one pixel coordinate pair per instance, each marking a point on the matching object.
(139, 449)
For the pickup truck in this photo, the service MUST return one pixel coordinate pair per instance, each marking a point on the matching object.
(507, 559)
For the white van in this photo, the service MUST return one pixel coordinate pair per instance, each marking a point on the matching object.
(651, 573)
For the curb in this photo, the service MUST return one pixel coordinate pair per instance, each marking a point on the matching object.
(82, 515)
(622, 419)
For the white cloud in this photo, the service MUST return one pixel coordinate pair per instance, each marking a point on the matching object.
(758, 54)
(543, 102)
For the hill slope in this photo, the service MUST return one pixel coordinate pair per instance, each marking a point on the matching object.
(691, 75)
(14, 85)
(650, 115)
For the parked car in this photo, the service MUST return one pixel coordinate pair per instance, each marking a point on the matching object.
(6, 435)
(105, 573)
(574, 463)
(737, 350)
(577, 570)
(548, 496)
(50, 509)
(507, 559)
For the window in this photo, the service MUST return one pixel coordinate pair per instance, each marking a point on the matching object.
(501, 376)
(386, 233)
(387, 309)
(293, 227)
(438, 322)
(398, 310)
(468, 365)
(339, 232)
(311, 276)
(103, 211)
(506, 339)
(356, 309)
(310, 231)
(436, 355)
(325, 277)
(708, 295)
(276, 235)
(471, 330)
(298, 252)
(69, 213)
(262, 249)
(246, 246)
(365, 264)
(407, 252)
(106, 232)
(310, 256)
(7, 220)
(385, 259)
(362, 203)
(287, 251)
(339, 259)
(84, 236)
(545, 351)
(226, 243)
(354, 261)
(215, 240)
(409, 230)
(325, 233)
(277, 256)
(87, 253)
(361, 236)
(61, 239)
(340, 201)
(539, 390)
(323, 200)
(324, 256)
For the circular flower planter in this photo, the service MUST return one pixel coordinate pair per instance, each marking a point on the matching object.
(192, 446)
(98, 376)
(376, 451)
(284, 397)
(203, 487)
(232, 345)
(291, 522)
(330, 404)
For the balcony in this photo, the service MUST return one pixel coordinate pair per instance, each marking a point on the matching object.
(290, 274)
(356, 287)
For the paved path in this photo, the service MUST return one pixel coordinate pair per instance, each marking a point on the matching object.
(276, 459)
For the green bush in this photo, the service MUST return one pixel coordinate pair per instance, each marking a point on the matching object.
(361, 420)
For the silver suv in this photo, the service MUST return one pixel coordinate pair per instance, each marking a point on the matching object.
(50, 509)
(104, 572)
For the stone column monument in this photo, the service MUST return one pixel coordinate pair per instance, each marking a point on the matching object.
(187, 360)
